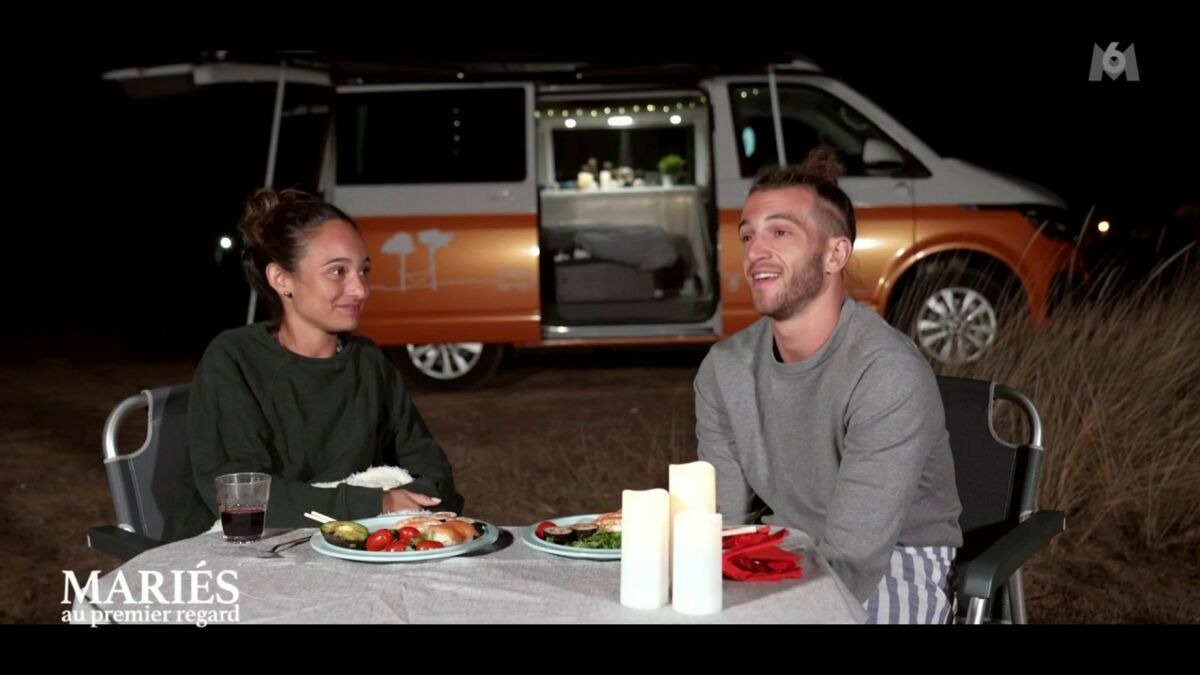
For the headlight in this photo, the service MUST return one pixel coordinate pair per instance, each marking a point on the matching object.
(1053, 222)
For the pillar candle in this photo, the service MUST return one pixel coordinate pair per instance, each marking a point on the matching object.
(645, 548)
(696, 573)
(693, 487)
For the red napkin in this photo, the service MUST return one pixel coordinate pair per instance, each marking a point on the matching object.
(758, 557)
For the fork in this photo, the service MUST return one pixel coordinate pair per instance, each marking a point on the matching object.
(273, 552)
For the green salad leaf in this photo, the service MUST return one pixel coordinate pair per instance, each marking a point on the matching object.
(609, 540)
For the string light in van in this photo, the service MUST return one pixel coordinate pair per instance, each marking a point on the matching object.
(634, 109)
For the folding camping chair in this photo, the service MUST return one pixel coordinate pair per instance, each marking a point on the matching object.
(997, 483)
(142, 482)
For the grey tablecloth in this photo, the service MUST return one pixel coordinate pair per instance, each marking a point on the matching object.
(516, 584)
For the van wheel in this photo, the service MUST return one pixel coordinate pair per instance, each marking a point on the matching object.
(954, 314)
(448, 366)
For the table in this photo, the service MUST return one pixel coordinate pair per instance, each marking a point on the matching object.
(514, 584)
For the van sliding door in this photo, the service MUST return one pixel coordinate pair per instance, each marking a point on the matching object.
(440, 179)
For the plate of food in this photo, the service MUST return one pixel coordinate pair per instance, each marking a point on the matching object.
(404, 538)
(595, 536)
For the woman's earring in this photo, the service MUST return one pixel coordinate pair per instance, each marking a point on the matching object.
(287, 294)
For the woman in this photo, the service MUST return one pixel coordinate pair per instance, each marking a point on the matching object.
(300, 397)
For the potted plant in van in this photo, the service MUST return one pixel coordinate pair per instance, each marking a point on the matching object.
(671, 167)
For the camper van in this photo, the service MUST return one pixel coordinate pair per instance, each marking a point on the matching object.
(525, 206)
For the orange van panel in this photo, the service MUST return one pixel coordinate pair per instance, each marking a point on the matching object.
(452, 278)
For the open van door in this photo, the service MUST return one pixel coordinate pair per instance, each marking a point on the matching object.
(441, 180)
(297, 122)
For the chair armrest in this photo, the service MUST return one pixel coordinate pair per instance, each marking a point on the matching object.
(122, 544)
(982, 575)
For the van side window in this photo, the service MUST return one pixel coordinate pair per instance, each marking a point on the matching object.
(809, 117)
(431, 136)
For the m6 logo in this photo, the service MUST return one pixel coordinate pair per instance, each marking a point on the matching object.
(1113, 62)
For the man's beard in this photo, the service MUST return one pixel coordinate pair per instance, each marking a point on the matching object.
(804, 286)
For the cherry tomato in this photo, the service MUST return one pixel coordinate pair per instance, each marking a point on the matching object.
(398, 546)
(408, 533)
(429, 545)
(541, 528)
(379, 540)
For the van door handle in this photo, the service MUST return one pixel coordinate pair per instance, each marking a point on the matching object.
(903, 188)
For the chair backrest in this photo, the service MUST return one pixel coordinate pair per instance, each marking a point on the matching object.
(997, 484)
(143, 482)
(997, 480)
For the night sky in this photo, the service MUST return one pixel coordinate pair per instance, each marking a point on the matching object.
(126, 206)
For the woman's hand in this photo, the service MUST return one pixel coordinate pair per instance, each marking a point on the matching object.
(403, 500)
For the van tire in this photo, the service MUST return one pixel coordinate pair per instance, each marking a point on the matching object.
(955, 313)
(451, 366)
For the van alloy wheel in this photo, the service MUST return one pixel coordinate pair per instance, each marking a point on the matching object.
(956, 325)
(449, 366)
(446, 361)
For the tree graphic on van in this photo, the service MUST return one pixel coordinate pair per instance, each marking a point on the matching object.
(401, 245)
(433, 240)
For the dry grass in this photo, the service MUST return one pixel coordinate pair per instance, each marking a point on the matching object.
(1117, 380)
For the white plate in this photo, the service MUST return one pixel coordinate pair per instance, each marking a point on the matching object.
(531, 540)
(318, 543)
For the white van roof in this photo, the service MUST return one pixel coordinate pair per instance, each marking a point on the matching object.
(179, 78)
(319, 69)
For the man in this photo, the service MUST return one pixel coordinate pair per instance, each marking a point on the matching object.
(825, 413)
